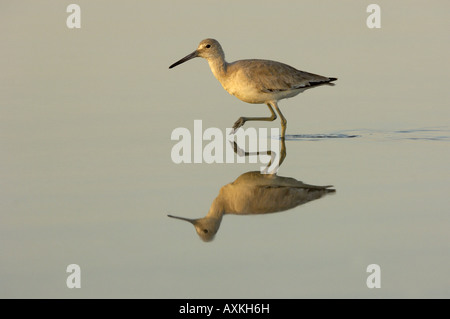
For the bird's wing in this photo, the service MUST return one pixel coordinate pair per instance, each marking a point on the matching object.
(272, 76)
(256, 179)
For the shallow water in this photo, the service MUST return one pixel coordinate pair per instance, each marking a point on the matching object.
(88, 179)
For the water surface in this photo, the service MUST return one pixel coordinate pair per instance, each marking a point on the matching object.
(87, 178)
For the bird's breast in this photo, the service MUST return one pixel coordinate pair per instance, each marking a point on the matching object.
(244, 90)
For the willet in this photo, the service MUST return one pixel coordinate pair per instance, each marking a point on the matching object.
(255, 193)
(256, 81)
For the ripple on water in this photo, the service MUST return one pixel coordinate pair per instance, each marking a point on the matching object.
(421, 134)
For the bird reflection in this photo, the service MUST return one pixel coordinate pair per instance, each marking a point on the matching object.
(255, 193)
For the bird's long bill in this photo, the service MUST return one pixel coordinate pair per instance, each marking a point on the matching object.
(186, 58)
(182, 218)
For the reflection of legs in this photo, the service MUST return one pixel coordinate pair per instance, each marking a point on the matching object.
(282, 151)
(283, 119)
(271, 153)
(242, 120)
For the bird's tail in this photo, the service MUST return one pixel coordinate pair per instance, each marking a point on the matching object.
(324, 81)
(331, 80)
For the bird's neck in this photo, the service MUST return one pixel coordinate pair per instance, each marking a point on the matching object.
(218, 67)
(217, 209)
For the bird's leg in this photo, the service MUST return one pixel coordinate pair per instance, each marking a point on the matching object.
(283, 119)
(242, 119)
(271, 153)
(240, 152)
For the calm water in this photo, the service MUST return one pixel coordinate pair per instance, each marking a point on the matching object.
(87, 177)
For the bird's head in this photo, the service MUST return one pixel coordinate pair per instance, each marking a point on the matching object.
(207, 49)
(206, 227)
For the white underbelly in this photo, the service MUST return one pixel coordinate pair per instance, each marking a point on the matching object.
(251, 95)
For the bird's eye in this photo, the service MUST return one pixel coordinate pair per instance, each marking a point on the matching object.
(205, 231)
(208, 46)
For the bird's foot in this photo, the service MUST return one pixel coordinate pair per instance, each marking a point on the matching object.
(238, 124)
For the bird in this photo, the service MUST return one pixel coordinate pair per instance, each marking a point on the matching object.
(255, 193)
(256, 81)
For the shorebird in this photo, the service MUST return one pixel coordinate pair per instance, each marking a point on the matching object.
(256, 81)
(255, 193)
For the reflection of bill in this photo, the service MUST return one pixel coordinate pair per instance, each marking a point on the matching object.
(255, 193)
(258, 146)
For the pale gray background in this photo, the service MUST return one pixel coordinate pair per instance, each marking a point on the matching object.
(86, 174)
